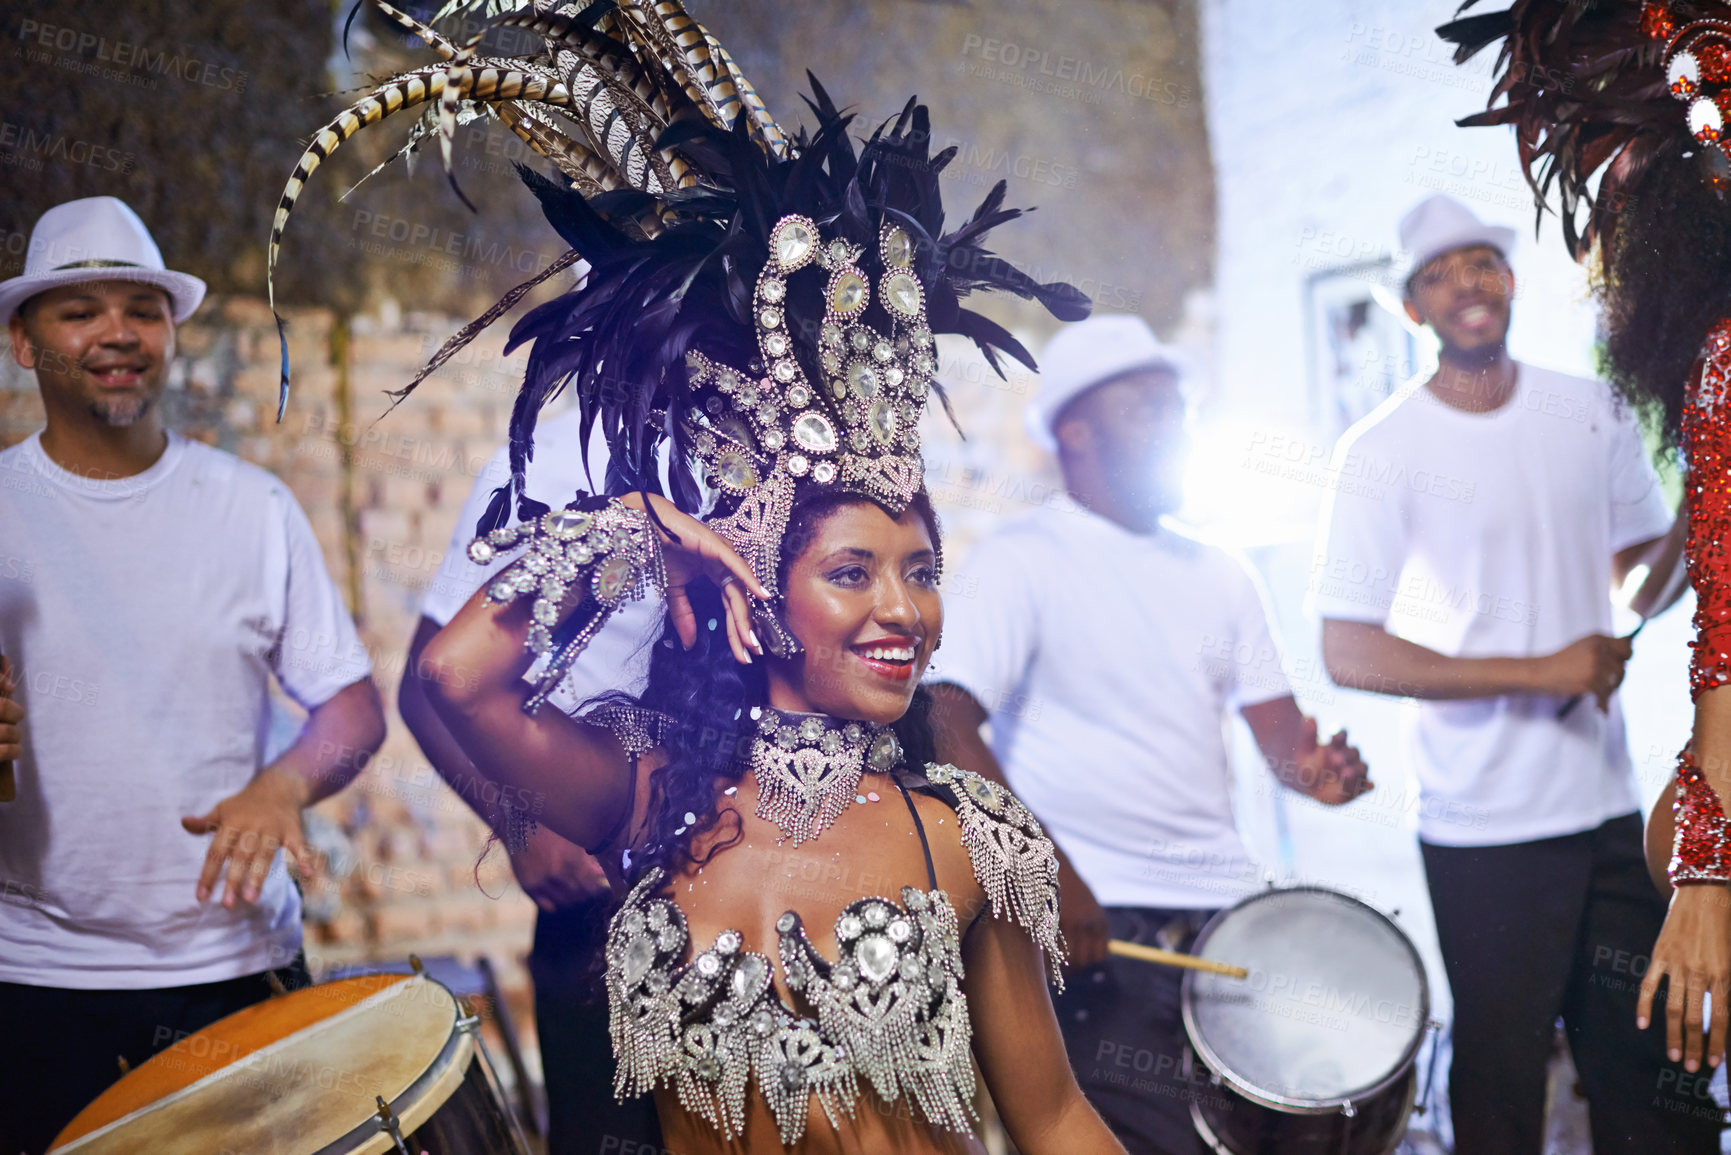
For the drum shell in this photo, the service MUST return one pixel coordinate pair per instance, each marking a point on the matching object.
(1234, 1125)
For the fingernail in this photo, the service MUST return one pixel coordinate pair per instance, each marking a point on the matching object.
(1640, 1023)
(755, 644)
(1691, 1065)
(1675, 1055)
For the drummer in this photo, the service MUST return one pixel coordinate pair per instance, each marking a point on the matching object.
(142, 892)
(1484, 592)
(1106, 647)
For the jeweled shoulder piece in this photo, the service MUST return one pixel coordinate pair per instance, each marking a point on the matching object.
(1014, 861)
(600, 552)
(808, 767)
(639, 730)
(1701, 844)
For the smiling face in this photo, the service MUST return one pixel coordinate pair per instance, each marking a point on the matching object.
(862, 598)
(99, 350)
(1464, 296)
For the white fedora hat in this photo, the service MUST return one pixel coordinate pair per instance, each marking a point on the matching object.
(1092, 352)
(95, 239)
(1440, 223)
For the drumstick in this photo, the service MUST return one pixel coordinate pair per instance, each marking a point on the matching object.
(1172, 958)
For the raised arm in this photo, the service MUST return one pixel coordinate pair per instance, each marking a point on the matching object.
(574, 778)
(1365, 656)
(1020, 1050)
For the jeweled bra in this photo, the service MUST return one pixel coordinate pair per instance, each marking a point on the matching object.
(890, 1012)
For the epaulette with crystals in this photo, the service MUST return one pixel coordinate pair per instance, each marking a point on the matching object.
(1014, 861)
(596, 547)
(638, 729)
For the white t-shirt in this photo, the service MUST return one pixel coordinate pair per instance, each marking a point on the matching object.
(617, 657)
(146, 616)
(1485, 535)
(1108, 661)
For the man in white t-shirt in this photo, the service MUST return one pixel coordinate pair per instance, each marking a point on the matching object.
(567, 884)
(1478, 522)
(154, 587)
(1108, 648)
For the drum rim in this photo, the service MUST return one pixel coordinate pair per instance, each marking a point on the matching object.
(1224, 1071)
(459, 1039)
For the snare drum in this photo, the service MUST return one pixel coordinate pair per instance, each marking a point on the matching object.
(1313, 1052)
(375, 1064)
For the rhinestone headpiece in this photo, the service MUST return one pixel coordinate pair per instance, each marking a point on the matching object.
(1697, 70)
(764, 430)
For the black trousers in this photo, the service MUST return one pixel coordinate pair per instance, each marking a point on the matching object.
(62, 1046)
(1560, 927)
(577, 1066)
(1124, 1032)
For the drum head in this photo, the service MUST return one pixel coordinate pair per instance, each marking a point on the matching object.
(1335, 1006)
(297, 1094)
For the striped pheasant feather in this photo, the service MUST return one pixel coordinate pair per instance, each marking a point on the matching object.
(611, 78)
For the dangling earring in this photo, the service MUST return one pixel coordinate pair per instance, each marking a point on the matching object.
(777, 639)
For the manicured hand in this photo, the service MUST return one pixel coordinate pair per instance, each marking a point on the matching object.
(250, 827)
(691, 550)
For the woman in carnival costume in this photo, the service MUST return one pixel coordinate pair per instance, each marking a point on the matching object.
(1639, 95)
(823, 929)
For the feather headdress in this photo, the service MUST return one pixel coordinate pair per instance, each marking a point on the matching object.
(1589, 88)
(764, 301)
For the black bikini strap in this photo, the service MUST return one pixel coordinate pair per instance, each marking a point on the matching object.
(920, 829)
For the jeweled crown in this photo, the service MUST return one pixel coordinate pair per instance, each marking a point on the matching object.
(765, 429)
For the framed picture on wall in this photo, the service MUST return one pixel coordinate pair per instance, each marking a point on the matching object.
(1360, 345)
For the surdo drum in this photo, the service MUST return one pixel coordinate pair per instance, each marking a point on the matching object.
(373, 1065)
(1313, 1053)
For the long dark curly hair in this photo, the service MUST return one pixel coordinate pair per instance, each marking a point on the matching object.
(1664, 280)
(709, 697)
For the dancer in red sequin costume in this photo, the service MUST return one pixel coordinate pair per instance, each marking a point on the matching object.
(1639, 96)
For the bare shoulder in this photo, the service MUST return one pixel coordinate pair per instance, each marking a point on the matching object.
(950, 857)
